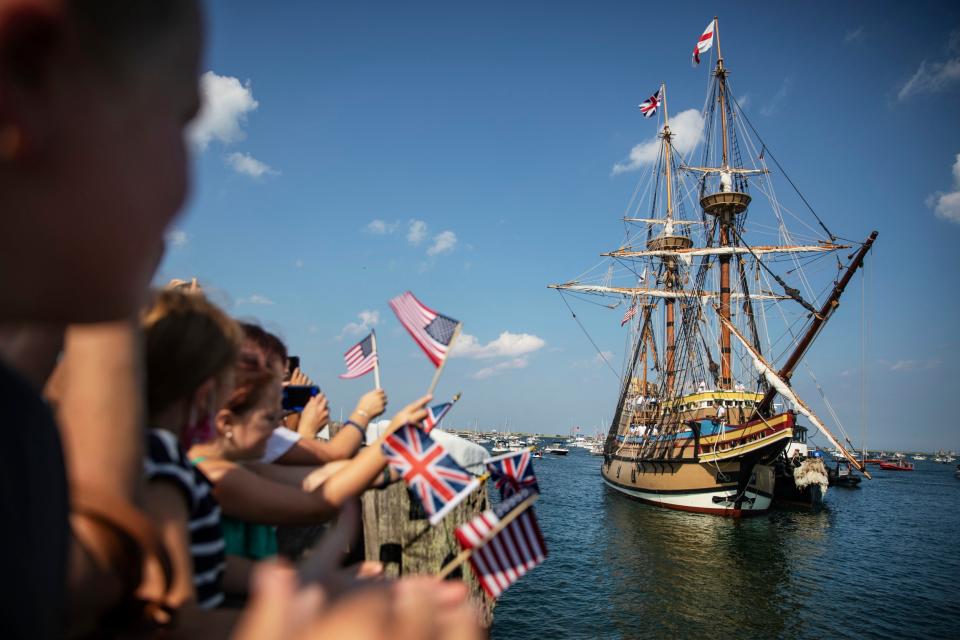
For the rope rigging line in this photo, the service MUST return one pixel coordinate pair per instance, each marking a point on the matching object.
(586, 333)
(767, 151)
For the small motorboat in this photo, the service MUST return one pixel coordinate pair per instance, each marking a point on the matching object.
(842, 476)
(897, 464)
(557, 450)
(536, 454)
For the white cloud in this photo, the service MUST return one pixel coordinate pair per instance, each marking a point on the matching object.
(246, 164)
(368, 320)
(507, 345)
(687, 129)
(380, 227)
(226, 103)
(416, 232)
(255, 299)
(915, 365)
(947, 205)
(500, 367)
(744, 101)
(774, 105)
(177, 238)
(298, 263)
(931, 77)
(443, 242)
(854, 36)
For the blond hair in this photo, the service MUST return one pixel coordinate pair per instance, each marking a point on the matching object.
(188, 340)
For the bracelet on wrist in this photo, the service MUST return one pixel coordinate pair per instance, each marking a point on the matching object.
(363, 413)
(363, 432)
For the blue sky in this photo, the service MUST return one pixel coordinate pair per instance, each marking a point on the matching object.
(483, 138)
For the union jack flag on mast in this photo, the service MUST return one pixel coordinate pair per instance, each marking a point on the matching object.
(649, 106)
(438, 482)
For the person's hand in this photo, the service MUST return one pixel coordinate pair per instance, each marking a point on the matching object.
(412, 413)
(372, 404)
(300, 379)
(315, 416)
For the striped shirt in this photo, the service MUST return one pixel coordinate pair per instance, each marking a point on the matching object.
(167, 461)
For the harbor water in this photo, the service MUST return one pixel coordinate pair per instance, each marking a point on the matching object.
(882, 560)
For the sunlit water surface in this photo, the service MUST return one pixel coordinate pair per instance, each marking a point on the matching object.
(879, 561)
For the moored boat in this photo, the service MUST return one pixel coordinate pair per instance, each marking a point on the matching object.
(896, 464)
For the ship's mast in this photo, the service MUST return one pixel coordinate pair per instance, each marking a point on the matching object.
(670, 262)
(726, 209)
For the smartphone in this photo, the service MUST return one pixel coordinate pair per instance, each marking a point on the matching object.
(296, 397)
(293, 363)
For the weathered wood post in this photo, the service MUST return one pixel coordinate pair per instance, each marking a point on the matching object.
(396, 532)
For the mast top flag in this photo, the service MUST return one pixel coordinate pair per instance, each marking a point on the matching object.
(704, 42)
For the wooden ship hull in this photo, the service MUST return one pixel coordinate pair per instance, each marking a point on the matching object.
(708, 467)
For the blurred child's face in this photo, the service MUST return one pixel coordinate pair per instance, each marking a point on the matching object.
(102, 172)
(251, 433)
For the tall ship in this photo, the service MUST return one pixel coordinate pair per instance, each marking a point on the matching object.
(725, 287)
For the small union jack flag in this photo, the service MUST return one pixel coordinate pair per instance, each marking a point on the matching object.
(649, 106)
(502, 557)
(434, 415)
(512, 472)
(437, 480)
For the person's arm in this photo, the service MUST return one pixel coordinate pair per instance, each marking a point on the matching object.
(165, 505)
(307, 478)
(244, 495)
(101, 401)
(347, 441)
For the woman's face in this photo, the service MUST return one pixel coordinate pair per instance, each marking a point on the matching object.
(251, 432)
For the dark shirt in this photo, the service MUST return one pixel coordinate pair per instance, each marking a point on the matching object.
(166, 461)
(33, 514)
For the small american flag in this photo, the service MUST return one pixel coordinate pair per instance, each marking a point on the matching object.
(513, 472)
(501, 559)
(649, 106)
(630, 314)
(431, 330)
(361, 358)
(437, 480)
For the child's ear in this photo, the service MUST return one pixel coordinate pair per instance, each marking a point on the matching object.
(224, 421)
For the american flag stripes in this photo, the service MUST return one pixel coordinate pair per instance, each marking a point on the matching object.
(431, 330)
(500, 559)
(630, 314)
(649, 106)
(434, 415)
(705, 42)
(360, 359)
(513, 472)
(437, 480)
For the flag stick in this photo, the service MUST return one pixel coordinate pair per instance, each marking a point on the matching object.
(500, 526)
(436, 376)
(376, 364)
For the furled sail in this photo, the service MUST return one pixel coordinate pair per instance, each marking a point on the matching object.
(763, 367)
